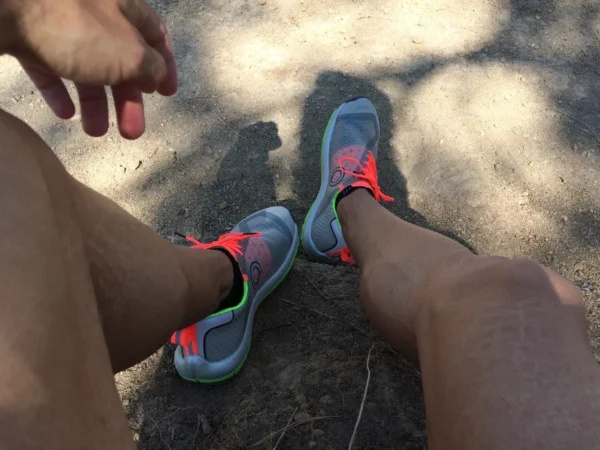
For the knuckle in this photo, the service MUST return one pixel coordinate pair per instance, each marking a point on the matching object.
(135, 63)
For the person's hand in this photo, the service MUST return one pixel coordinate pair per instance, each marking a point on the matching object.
(119, 43)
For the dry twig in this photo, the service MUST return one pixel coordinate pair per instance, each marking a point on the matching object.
(587, 130)
(294, 425)
(357, 328)
(285, 429)
(160, 434)
(362, 404)
(177, 411)
(322, 294)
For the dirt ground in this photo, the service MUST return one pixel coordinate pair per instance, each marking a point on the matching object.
(490, 135)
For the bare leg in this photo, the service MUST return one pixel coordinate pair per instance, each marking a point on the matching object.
(85, 290)
(502, 344)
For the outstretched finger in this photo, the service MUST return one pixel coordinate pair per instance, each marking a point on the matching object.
(154, 32)
(129, 106)
(169, 85)
(94, 109)
(53, 91)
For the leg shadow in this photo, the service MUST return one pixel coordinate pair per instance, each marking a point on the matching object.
(166, 411)
(332, 89)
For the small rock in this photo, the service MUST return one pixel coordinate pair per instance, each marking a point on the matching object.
(578, 267)
(503, 60)
(206, 428)
(312, 444)
(301, 416)
(301, 398)
(565, 219)
(562, 180)
(262, 2)
(538, 17)
(125, 402)
(575, 147)
(317, 432)
(474, 202)
(223, 205)
(497, 166)
(326, 400)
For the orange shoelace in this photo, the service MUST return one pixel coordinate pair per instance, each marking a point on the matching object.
(368, 174)
(369, 180)
(229, 241)
(345, 256)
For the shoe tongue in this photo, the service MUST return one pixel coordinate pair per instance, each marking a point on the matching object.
(237, 288)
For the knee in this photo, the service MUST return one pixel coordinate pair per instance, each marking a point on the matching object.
(24, 154)
(512, 280)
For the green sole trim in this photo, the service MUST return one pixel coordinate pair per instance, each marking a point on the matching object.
(329, 125)
(239, 368)
(333, 205)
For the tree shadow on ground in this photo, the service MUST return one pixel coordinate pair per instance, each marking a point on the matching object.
(311, 337)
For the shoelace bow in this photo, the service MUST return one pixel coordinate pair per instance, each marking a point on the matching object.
(229, 241)
(368, 173)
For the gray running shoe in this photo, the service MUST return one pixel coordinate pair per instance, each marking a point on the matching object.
(348, 156)
(264, 246)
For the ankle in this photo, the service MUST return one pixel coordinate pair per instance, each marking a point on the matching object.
(235, 288)
(352, 203)
(209, 279)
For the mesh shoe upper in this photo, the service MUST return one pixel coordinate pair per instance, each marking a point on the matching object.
(263, 245)
(355, 133)
(261, 255)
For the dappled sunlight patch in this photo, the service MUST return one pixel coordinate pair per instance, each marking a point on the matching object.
(274, 60)
(483, 138)
(12, 75)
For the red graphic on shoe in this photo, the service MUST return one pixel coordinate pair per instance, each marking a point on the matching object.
(188, 340)
(353, 152)
(257, 259)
